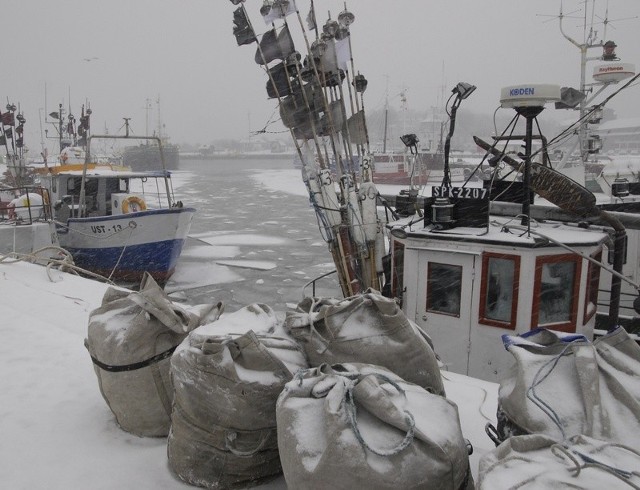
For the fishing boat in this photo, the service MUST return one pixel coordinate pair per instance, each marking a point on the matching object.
(415, 165)
(146, 155)
(117, 222)
(26, 225)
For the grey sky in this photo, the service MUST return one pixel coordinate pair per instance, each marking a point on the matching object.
(118, 53)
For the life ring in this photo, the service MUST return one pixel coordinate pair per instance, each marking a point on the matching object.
(133, 204)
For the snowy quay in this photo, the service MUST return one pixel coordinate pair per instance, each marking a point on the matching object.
(58, 432)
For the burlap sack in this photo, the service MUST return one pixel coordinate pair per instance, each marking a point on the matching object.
(131, 338)
(563, 385)
(223, 432)
(368, 328)
(538, 462)
(361, 426)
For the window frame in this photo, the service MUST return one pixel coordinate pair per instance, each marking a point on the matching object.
(593, 276)
(483, 319)
(567, 326)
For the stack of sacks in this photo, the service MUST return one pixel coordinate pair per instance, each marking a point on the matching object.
(568, 414)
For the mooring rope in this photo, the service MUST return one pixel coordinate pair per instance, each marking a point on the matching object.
(66, 264)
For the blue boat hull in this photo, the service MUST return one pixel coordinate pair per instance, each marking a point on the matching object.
(159, 259)
(124, 247)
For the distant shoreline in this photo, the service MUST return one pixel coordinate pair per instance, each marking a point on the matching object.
(236, 156)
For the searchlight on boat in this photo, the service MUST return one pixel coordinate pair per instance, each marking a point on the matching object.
(462, 90)
(609, 51)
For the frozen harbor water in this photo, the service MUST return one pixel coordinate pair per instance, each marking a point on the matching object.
(250, 240)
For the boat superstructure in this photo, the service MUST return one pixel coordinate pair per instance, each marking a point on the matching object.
(469, 276)
(470, 283)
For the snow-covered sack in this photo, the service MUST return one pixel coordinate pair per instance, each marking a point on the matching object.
(563, 385)
(538, 461)
(227, 379)
(355, 425)
(368, 328)
(131, 337)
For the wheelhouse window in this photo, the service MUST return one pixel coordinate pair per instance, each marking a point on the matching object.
(499, 290)
(444, 286)
(397, 265)
(557, 285)
(593, 283)
(73, 186)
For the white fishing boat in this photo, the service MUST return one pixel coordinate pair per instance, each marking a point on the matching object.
(26, 225)
(116, 222)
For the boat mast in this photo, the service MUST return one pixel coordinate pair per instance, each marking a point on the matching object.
(60, 128)
(583, 47)
(147, 108)
(386, 118)
(608, 54)
(159, 118)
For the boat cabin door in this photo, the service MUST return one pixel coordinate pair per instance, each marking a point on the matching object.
(445, 282)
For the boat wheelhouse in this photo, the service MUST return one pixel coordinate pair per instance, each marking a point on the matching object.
(469, 285)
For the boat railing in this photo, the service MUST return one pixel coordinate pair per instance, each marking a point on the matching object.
(629, 318)
(24, 205)
(313, 282)
(167, 186)
(153, 190)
